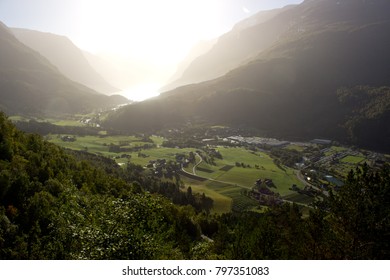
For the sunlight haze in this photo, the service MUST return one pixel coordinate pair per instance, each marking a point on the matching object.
(154, 35)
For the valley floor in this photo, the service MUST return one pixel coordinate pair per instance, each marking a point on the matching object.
(238, 173)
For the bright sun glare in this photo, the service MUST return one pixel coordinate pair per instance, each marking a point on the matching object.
(142, 91)
(156, 31)
(151, 32)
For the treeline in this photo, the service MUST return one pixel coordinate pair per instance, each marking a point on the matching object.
(60, 205)
(173, 191)
(44, 128)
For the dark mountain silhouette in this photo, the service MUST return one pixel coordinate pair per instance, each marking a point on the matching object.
(68, 58)
(292, 88)
(31, 85)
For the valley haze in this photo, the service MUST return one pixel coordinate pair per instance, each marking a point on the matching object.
(138, 43)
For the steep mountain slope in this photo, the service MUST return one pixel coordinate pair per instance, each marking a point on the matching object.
(68, 58)
(30, 84)
(236, 46)
(291, 89)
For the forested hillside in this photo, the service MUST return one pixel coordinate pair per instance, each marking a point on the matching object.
(53, 206)
(56, 204)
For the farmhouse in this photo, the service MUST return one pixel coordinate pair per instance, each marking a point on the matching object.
(67, 138)
(269, 182)
(295, 188)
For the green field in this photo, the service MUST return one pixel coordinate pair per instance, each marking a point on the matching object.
(232, 180)
(96, 144)
(225, 181)
(17, 118)
(221, 204)
(352, 159)
(67, 122)
(335, 149)
(295, 147)
(71, 121)
(226, 196)
(246, 177)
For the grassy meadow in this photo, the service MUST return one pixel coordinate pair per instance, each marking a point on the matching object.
(225, 180)
(258, 165)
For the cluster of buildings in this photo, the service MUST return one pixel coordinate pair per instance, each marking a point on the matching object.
(258, 141)
(272, 142)
(263, 194)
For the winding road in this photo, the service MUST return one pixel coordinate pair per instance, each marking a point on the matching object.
(194, 176)
(196, 165)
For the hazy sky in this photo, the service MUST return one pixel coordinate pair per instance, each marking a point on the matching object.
(159, 32)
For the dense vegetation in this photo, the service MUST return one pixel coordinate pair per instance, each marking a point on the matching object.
(54, 206)
(70, 205)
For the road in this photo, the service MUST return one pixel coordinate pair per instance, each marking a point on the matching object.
(196, 165)
(194, 176)
(300, 178)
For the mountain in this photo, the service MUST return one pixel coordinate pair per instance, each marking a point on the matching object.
(31, 85)
(197, 50)
(295, 87)
(68, 58)
(236, 47)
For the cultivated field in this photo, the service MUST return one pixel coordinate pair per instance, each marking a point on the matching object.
(253, 166)
(225, 181)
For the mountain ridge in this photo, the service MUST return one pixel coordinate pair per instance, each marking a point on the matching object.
(234, 48)
(66, 56)
(31, 85)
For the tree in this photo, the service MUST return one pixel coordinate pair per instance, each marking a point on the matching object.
(360, 215)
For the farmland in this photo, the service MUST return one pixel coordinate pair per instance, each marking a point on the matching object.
(226, 169)
(243, 167)
(225, 180)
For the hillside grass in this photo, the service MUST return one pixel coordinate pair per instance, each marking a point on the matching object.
(221, 204)
(335, 149)
(97, 144)
(246, 177)
(226, 196)
(352, 159)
